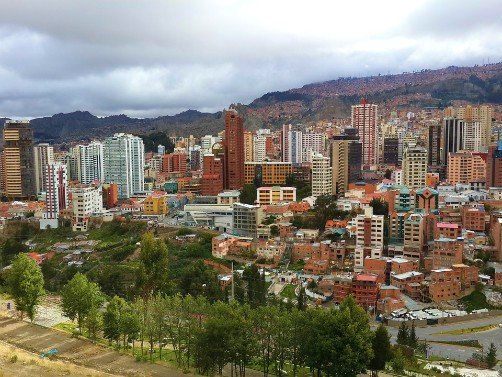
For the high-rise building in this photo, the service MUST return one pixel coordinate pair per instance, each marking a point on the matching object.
(311, 143)
(161, 149)
(88, 162)
(124, 163)
(267, 173)
(44, 156)
(473, 136)
(292, 144)
(86, 200)
(18, 158)
(175, 162)
(322, 183)
(212, 177)
(414, 166)
(390, 151)
(364, 118)
(481, 114)
(207, 142)
(434, 143)
(248, 146)
(369, 237)
(234, 150)
(56, 194)
(453, 136)
(259, 147)
(346, 153)
(494, 166)
(466, 167)
(246, 219)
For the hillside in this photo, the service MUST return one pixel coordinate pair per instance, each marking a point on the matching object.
(318, 101)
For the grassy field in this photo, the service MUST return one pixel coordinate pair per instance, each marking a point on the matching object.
(467, 331)
(463, 343)
(289, 292)
(475, 300)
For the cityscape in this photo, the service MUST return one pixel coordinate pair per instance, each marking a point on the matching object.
(346, 226)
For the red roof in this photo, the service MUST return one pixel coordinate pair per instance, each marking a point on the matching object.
(366, 277)
(447, 225)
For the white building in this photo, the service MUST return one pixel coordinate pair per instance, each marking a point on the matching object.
(44, 156)
(275, 195)
(86, 200)
(321, 175)
(89, 162)
(246, 219)
(124, 160)
(259, 147)
(56, 194)
(207, 142)
(473, 136)
(312, 143)
(414, 166)
(369, 237)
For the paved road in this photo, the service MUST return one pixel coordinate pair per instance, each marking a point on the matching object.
(458, 352)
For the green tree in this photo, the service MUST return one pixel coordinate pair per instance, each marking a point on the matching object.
(94, 323)
(403, 334)
(79, 297)
(412, 337)
(26, 284)
(256, 287)
(10, 248)
(325, 209)
(300, 303)
(388, 174)
(153, 271)
(380, 207)
(112, 319)
(274, 230)
(491, 356)
(398, 361)
(248, 194)
(381, 350)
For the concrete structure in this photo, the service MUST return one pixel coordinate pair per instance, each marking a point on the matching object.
(18, 161)
(481, 114)
(269, 173)
(156, 204)
(414, 166)
(259, 148)
(364, 117)
(447, 252)
(56, 194)
(453, 136)
(89, 162)
(44, 156)
(434, 144)
(86, 200)
(346, 153)
(369, 237)
(246, 219)
(321, 176)
(275, 194)
(212, 176)
(124, 163)
(390, 151)
(248, 146)
(234, 151)
(466, 167)
(494, 166)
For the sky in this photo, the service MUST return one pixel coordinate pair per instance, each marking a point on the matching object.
(161, 57)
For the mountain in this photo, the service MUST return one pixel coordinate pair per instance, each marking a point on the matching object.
(318, 101)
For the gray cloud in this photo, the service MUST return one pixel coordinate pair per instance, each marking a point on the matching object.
(161, 57)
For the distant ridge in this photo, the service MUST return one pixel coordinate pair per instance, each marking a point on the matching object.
(317, 101)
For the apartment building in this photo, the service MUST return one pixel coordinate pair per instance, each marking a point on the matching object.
(275, 194)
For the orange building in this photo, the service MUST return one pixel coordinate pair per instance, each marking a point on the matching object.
(466, 166)
(407, 282)
(110, 195)
(174, 163)
(447, 252)
(445, 285)
(447, 230)
(402, 265)
(212, 177)
(365, 290)
(234, 151)
(469, 275)
(379, 267)
(389, 299)
(342, 287)
(473, 218)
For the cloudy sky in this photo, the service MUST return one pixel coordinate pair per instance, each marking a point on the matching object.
(160, 57)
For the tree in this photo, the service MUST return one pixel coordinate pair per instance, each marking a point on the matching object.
(491, 356)
(11, 248)
(380, 207)
(26, 284)
(112, 324)
(403, 334)
(388, 174)
(398, 361)
(256, 286)
(381, 350)
(300, 303)
(325, 209)
(153, 271)
(248, 194)
(93, 323)
(274, 230)
(412, 337)
(79, 297)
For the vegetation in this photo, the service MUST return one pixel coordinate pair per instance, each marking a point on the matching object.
(474, 343)
(152, 140)
(248, 194)
(382, 352)
(468, 330)
(491, 356)
(289, 292)
(26, 284)
(474, 301)
(303, 189)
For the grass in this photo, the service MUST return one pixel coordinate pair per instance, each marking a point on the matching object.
(68, 327)
(474, 343)
(468, 330)
(474, 301)
(289, 292)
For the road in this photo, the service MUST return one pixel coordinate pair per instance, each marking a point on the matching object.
(458, 352)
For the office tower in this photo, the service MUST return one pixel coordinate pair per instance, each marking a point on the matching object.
(248, 146)
(124, 163)
(453, 136)
(18, 159)
(44, 156)
(88, 162)
(369, 237)
(434, 144)
(246, 219)
(207, 142)
(473, 136)
(466, 167)
(234, 150)
(285, 147)
(321, 175)
(312, 143)
(267, 173)
(175, 162)
(161, 149)
(390, 150)
(56, 194)
(212, 177)
(292, 144)
(194, 153)
(346, 153)
(414, 166)
(259, 147)
(86, 200)
(364, 118)
(494, 166)
(481, 114)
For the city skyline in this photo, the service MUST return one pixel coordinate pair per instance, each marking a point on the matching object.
(60, 57)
